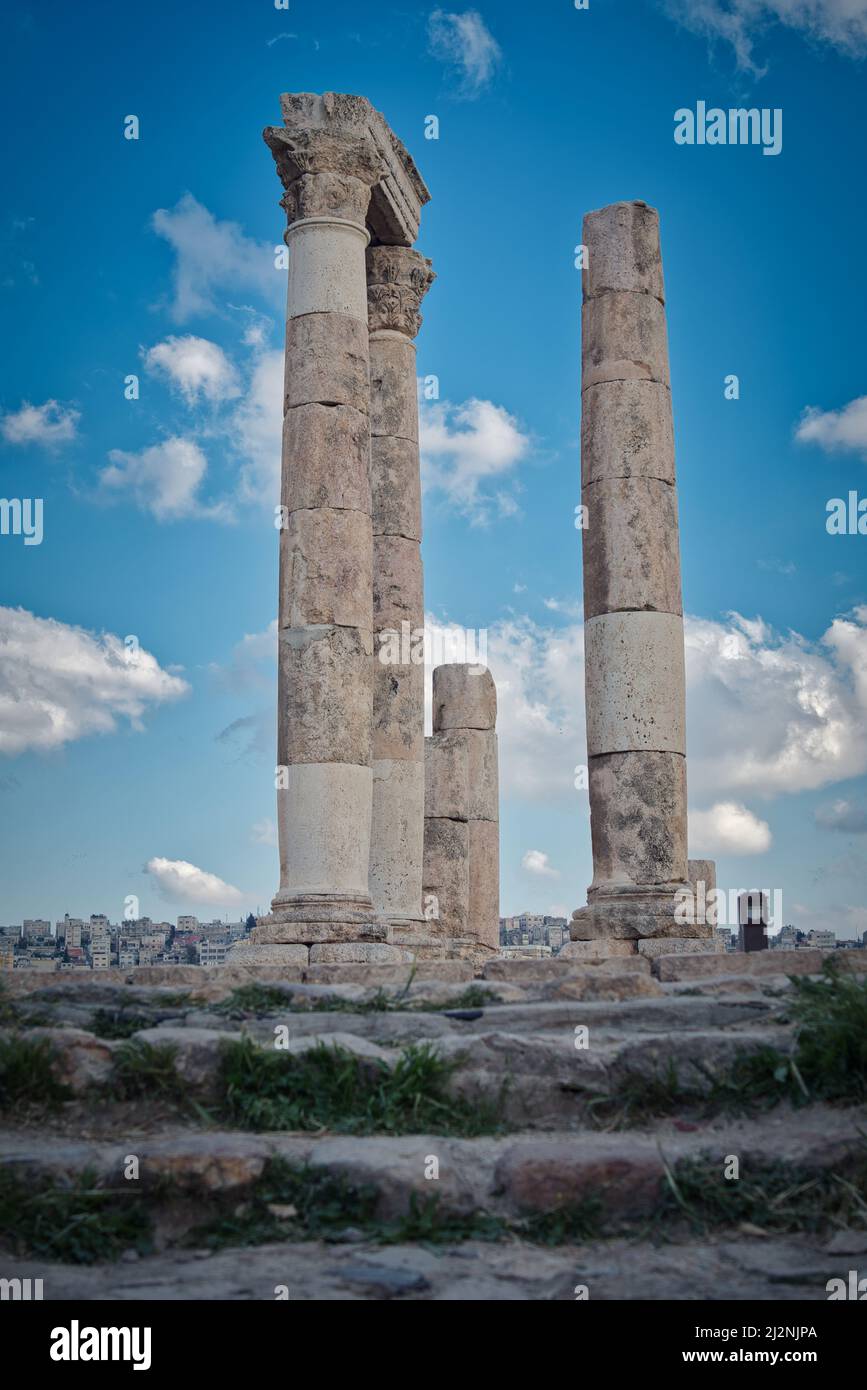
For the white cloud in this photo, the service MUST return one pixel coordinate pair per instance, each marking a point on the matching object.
(264, 832)
(836, 430)
(728, 827)
(179, 881)
(252, 663)
(256, 431)
(60, 683)
(767, 713)
(465, 447)
(535, 861)
(840, 23)
(212, 256)
(464, 42)
(49, 424)
(845, 816)
(194, 366)
(163, 479)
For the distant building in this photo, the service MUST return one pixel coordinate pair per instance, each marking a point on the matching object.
(753, 910)
(213, 952)
(36, 928)
(823, 940)
(188, 924)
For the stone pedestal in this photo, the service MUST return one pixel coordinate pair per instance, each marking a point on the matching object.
(462, 831)
(397, 280)
(634, 656)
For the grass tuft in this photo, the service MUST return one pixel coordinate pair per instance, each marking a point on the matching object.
(27, 1073)
(328, 1088)
(78, 1224)
(144, 1069)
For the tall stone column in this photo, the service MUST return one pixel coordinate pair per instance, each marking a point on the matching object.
(346, 179)
(397, 280)
(634, 655)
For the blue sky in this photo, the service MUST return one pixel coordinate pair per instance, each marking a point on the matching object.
(155, 257)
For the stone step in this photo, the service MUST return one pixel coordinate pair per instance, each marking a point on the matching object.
(747, 1268)
(182, 1170)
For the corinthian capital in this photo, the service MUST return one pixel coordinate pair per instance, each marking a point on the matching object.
(397, 281)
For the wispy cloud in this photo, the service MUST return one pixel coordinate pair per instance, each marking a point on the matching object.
(846, 816)
(213, 256)
(466, 45)
(739, 23)
(467, 452)
(49, 424)
(836, 431)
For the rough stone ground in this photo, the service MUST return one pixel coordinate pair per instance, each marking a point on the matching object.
(517, 1039)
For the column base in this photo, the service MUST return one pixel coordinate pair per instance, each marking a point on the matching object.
(633, 912)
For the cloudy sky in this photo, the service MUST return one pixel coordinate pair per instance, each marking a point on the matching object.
(137, 640)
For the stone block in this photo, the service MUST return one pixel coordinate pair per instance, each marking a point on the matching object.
(482, 773)
(356, 953)
(638, 819)
(634, 672)
(591, 951)
(275, 931)
(324, 815)
(447, 871)
(622, 241)
(327, 362)
(397, 837)
(446, 778)
(326, 569)
(393, 389)
(624, 339)
(325, 695)
(398, 709)
(396, 487)
(627, 432)
(314, 437)
(655, 946)
(397, 585)
(483, 918)
(631, 547)
(327, 273)
(464, 697)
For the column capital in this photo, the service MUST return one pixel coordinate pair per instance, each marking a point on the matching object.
(353, 157)
(398, 279)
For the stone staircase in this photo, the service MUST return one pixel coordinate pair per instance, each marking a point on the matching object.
(589, 1114)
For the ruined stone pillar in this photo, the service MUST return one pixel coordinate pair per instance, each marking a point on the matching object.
(634, 655)
(397, 280)
(346, 179)
(462, 830)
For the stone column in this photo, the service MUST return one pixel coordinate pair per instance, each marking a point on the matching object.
(462, 831)
(329, 160)
(397, 280)
(634, 656)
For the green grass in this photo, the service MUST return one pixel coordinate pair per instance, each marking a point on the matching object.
(777, 1199)
(117, 1023)
(146, 1070)
(253, 1000)
(828, 1063)
(77, 1224)
(27, 1074)
(324, 1204)
(830, 1014)
(328, 1088)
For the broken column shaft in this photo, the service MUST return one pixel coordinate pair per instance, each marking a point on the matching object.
(634, 654)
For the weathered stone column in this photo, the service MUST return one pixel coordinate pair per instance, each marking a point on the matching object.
(634, 655)
(462, 830)
(397, 280)
(346, 178)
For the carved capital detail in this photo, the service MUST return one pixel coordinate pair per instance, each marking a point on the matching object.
(397, 281)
